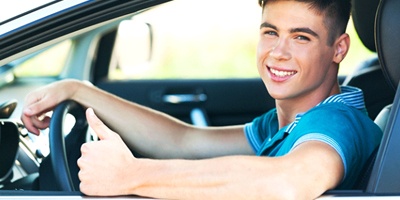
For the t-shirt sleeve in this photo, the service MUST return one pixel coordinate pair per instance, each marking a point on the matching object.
(350, 132)
(260, 129)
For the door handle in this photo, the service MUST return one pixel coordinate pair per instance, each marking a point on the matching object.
(184, 98)
(199, 117)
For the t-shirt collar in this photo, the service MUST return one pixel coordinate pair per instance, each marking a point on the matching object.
(351, 96)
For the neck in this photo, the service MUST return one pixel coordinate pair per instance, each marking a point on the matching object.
(287, 109)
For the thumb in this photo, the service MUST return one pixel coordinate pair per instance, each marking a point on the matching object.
(101, 130)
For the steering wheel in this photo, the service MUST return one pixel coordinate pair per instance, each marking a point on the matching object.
(61, 146)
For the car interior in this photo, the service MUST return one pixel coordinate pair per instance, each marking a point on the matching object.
(368, 75)
(378, 173)
(378, 77)
(384, 179)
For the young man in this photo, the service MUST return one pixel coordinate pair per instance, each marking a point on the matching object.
(316, 139)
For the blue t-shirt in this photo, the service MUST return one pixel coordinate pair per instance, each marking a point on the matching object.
(341, 121)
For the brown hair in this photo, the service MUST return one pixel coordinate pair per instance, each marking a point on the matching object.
(336, 14)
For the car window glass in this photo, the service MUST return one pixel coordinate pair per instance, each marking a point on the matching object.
(357, 54)
(198, 41)
(49, 62)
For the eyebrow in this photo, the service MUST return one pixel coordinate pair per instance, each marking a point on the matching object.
(305, 30)
(268, 25)
(293, 30)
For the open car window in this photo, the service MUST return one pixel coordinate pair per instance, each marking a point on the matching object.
(195, 42)
(186, 45)
(190, 44)
(28, 66)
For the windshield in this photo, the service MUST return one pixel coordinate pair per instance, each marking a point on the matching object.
(16, 14)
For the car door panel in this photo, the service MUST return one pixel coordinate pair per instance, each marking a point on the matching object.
(222, 101)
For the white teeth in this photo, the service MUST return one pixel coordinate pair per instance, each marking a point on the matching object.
(282, 73)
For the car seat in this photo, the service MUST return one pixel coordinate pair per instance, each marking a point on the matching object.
(368, 76)
(382, 179)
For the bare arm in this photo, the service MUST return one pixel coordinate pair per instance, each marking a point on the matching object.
(302, 174)
(305, 173)
(150, 132)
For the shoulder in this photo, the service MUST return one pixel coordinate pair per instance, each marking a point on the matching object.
(340, 122)
(346, 129)
(336, 113)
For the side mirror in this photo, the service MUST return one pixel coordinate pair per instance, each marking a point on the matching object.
(134, 46)
(7, 108)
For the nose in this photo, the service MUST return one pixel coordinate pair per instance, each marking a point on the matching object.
(280, 50)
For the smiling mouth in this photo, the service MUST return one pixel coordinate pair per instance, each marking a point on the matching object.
(282, 74)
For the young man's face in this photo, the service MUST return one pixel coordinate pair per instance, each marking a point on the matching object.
(294, 58)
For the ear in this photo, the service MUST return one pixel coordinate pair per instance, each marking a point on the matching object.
(341, 46)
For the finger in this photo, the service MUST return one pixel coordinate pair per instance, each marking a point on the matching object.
(30, 102)
(42, 100)
(34, 124)
(102, 131)
(84, 152)
(38, 107)
(29, 124)
(41, 123)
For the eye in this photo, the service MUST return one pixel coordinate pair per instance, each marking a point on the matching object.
(269, 33)
(303, 38)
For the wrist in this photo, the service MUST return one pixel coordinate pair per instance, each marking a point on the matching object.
(74, 87)
(139, 177)
(147, 178)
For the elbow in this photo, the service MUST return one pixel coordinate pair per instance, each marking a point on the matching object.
(285, 189)
(293, 192)
(289, 191)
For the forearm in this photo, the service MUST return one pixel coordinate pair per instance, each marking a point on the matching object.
(155, 134)
(139, 126)
(305, 173)
(233, 177)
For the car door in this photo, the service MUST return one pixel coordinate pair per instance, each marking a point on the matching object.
(189, 61)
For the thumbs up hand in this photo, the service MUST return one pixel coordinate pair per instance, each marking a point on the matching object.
(104, 164)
